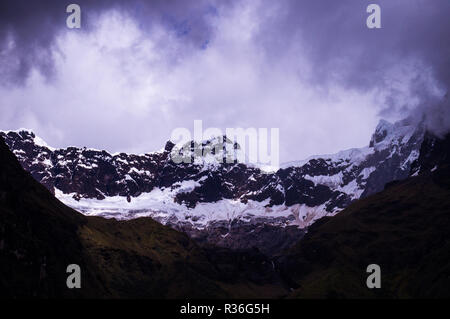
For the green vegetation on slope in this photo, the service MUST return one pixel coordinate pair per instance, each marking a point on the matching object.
(404, 229)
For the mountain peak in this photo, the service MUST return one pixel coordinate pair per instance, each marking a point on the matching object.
(387, 133)
(23, 132)
(381, 131)
(27, 136)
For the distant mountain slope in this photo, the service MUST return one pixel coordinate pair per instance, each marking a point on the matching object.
(40, 237)
(196, 195)
(404, 229)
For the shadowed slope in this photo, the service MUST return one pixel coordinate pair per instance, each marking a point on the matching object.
(404, 229)
(40, 237)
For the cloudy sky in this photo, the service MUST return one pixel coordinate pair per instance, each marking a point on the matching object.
(138, 69)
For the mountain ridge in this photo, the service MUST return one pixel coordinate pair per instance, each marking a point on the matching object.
(225, 204)
(329, 180)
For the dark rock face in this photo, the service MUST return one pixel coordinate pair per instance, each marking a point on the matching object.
(434, 152)
(238, 235)
(89, 173)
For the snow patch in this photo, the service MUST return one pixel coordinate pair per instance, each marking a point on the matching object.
(159, 204)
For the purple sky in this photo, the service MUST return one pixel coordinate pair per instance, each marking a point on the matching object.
(138, 69)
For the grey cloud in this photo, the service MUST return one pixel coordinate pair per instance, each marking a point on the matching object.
(341, 49)
(33, 26)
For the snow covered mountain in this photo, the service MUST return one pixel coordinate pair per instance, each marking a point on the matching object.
(215, 201)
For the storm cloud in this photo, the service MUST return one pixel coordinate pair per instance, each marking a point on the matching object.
(407, 61)
(28, 29)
